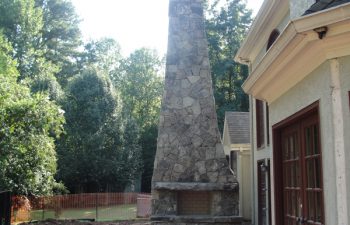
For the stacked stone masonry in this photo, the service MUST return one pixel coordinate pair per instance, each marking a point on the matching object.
(190, 155)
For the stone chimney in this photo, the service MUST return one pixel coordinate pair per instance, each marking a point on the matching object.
(192, 182)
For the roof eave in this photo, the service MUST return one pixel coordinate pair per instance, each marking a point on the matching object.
(298, 37)
(263, 25)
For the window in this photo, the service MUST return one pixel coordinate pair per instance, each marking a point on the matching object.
(267, 124)
(260, 126)
(233, 161)
(273, 36)
(260, 118)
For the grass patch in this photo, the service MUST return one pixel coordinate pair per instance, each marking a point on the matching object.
(103, 213)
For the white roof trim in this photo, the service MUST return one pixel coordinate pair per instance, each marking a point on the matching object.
(268, 18)
(299, 45)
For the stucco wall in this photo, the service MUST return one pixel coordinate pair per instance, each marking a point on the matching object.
(298, 7)
(345, 86)
(314, 87)
(283, 23)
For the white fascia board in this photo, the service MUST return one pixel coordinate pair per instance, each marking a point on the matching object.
(268, 18)
(298, 51)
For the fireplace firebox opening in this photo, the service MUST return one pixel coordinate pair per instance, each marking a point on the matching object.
(193, 202)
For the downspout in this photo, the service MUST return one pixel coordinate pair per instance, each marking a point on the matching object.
(252, 158)
(339, 146)
(252, 151)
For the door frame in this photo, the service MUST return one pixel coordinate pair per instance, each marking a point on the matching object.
(277, 155)
(263, 172)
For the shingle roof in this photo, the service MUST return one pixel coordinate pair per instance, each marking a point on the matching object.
(324, 4)
(238, 127)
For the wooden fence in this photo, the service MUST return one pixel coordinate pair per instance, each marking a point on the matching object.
(94, 206)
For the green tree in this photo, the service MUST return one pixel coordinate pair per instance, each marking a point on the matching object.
(104, 54)
(140, 81)
(61, 36)
(45, 37)
(148, 141)
(46, 83)
(29, 124)
(22, 23)
(96, 147)
(226, 27)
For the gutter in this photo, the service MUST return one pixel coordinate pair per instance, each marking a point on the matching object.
(297, 34)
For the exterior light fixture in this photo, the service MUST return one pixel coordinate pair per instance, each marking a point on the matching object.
(264, 168)
(321, 31)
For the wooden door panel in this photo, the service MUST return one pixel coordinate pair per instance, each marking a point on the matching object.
(291, 174)
(302, 173)
(312, 160)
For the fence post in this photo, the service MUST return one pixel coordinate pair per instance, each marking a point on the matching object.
(96, 205)
(5, 208)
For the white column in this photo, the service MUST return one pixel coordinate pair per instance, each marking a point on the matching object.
(339, 146)
(240, 180)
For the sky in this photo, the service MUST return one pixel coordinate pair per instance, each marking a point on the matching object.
(133, 23)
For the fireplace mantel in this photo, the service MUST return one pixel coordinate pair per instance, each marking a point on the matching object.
(200, 219)
(178, 186)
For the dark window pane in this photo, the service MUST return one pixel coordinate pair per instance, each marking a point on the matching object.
(296, 146)
(298, 175)
(292, 147)
(316, 150)
(318, 207)
(318, 172)
(310, 173)
(308, 141)
(286, 149)
(289, 206)
(260, 123)
(311, 206)
(292, 174)
(267, 122)
(287, 175)
(294, 204)
(273, 36)
(299, 209)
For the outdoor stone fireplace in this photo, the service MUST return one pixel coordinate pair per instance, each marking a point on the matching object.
(192, 182)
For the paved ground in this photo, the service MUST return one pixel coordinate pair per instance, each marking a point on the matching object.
(75, 222)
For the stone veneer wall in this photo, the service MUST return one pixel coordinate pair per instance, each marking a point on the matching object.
(190, 155)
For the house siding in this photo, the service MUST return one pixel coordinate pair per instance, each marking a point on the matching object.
(315, 87)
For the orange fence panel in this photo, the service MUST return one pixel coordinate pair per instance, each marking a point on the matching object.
(98, 206)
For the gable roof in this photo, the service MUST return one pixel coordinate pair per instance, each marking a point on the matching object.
(238, 124)
(324, 4)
